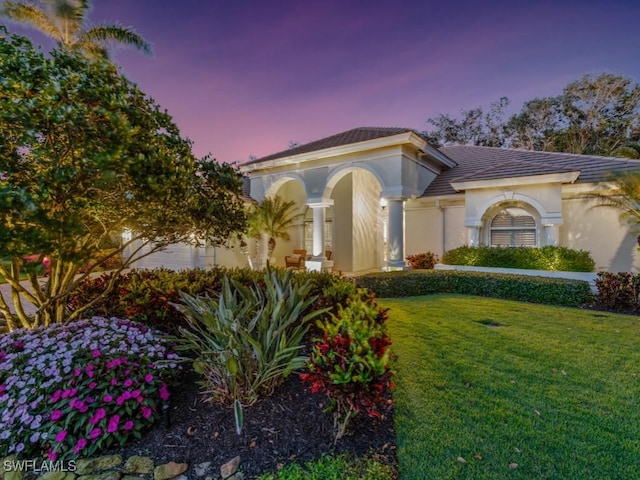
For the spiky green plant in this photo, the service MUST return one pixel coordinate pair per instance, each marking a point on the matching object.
(246, 340)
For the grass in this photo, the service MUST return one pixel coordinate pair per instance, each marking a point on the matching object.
(492, 389)
(7, 265)
(341, 467)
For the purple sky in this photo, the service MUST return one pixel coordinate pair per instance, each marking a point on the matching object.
(246, 77)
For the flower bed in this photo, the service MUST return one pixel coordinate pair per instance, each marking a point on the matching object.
(75, 389)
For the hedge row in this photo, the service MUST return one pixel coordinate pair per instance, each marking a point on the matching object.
(543, 258)
(552, 291)
(148, 296)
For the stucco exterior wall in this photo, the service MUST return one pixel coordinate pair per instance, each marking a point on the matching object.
(611, 241)
(291, 190)
(385, 162)
(366, 212)
(342, 195)
(546, 197)
(423, 230)
(434, 228)
(180, 256)
(455, 233)
(229, 257)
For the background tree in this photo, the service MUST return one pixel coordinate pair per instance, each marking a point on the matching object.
(593, 115)
(474, 127)
(628, 150)
(535, 126)
(84, 156)
(65, 22)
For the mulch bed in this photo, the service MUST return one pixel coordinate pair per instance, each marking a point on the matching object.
(289, 426)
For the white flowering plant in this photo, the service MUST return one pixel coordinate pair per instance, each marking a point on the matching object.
(71, 390)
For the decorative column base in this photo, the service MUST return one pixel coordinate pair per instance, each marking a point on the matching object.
(398, 266)
(319, 265)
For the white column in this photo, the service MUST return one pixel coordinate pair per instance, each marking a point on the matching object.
(319, 218)
(552, 236)
(474, 236)
(396, 233)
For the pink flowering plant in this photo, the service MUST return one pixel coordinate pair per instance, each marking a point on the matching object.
(72, 390)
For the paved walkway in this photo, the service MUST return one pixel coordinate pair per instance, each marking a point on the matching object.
(5, 290)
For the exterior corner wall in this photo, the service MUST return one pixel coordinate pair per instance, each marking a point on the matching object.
(611, 241)
(179, 256)
(343, 225)
(366, 212)
(434, 227)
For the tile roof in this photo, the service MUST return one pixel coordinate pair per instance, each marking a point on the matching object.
(489, 163)
(356, 135)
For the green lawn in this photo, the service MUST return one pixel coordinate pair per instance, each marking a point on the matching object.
(494, 389)
(7, 265)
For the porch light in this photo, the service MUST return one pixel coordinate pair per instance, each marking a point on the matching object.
(383, 203)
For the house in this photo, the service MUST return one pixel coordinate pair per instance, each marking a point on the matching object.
(374, 195)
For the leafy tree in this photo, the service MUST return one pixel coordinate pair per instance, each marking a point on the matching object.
(65, 22)
(534, 127)
(85, 155)
(593, 115)
(600, 114)
(475, 127)
(628, 150)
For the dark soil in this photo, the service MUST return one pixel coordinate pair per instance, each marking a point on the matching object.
(289, 426)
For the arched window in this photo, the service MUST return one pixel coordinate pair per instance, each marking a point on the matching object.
(513, 227)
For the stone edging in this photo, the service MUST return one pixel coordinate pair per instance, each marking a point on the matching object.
(113, 467)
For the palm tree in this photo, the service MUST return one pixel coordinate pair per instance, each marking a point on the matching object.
(64, 21)
(273, 217)
(625, 196)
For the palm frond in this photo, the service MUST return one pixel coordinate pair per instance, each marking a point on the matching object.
(33, 16)
(273, 217)
(70, 15)
(622, 194)
(117, 34)
(92, 50)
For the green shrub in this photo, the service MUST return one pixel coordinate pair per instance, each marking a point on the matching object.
(422, 261)
(544, 258)
(350, 363)
(149, 296)
(246, 340)
(552, 291)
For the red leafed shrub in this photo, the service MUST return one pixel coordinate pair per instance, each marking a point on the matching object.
(422, 261)
(619, 291)
(149, 296)
(351, 362)
(145, 296)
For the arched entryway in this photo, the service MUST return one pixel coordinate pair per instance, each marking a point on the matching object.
(357, 219)
(290, 189)
(344, 177)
